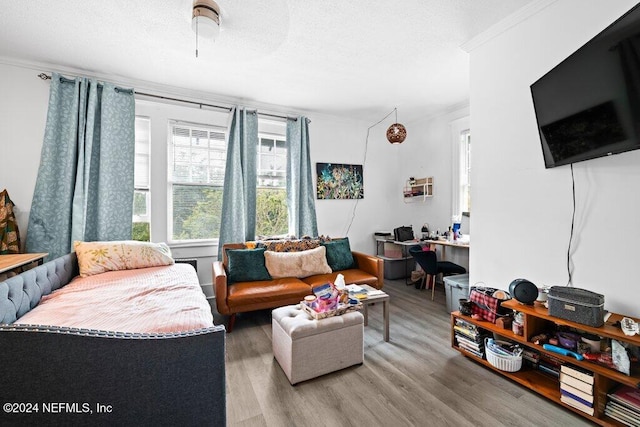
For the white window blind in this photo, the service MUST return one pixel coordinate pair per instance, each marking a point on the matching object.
(197, 162)
(142, 161)
(196, 177)
(271, 195)
(272, 161)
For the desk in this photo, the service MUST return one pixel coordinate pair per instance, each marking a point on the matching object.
(444, 243)
(13, 261)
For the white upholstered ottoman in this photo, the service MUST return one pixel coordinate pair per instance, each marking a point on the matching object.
(307, 348)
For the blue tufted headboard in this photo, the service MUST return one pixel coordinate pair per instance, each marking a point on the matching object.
(19, 294)
(146, 379)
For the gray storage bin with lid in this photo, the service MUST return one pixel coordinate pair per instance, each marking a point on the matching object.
(456, 288)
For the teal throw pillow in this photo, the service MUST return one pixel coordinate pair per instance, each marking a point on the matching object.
(339, 255)
(246, 265)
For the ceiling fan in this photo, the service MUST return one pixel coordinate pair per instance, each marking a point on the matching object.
(255, 28)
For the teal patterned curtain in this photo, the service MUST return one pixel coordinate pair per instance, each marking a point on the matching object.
(238, 223)
(84, 189)
(300, 189)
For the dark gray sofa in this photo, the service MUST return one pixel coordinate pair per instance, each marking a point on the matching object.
(89, 377)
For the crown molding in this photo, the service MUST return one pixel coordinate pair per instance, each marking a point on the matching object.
(512, 20)
(150, 87)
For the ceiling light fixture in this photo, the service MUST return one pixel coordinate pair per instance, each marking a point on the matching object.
(396, 132)
(205, 20)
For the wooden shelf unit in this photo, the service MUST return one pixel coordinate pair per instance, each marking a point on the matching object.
(421, 190)
(537, 320)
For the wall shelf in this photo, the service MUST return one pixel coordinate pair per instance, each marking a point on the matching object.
(418, 191)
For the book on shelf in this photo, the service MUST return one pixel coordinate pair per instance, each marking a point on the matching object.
(474, 352)
(575, 392)
(548, 370)
(579, 373)
(549, 364)
(530, 358)
(472, 335)
(624, 409)
(620, 418)
(464, 323)
(627, 396)
(621, 415)
(628, 413)
(461, 323)
(576, 383)
(551, 361)
(587, 402)
(477, 346)
(576, 404)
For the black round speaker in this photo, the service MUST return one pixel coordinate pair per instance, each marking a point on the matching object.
(523, 291)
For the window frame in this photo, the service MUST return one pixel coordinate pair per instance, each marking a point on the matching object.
(141, 188)
(171, 123)
(458, 128)
(465, 171)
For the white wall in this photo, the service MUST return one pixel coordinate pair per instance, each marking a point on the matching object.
(23, 113)
(521, 211)
(429, 151)
(340, 140)
(23, 108)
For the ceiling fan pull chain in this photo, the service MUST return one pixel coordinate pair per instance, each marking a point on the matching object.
(198, 12)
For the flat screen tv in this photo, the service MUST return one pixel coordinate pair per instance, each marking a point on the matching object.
(588, 106)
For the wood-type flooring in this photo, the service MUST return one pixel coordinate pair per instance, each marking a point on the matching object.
(415, 379)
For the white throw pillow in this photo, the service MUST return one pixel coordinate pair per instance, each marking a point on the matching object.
(297, 264)
(99, 257)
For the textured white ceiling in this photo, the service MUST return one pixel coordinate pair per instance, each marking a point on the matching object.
(360, 58)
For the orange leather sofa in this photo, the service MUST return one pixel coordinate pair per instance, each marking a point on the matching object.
(242, 297)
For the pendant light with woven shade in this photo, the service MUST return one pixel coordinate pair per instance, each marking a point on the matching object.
(396, 133)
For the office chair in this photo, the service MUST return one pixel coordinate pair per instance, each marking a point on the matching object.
(428, 261)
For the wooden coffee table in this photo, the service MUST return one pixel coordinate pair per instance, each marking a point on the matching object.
(379, 296)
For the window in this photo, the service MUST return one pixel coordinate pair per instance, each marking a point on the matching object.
(461, 167)
(141, 196)
(271, 198)
(197, 156)
(465, 171)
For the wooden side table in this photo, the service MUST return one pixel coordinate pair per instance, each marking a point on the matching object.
(13, 261)
(371, 299)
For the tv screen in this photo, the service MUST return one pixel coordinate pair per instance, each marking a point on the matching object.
(588, 106)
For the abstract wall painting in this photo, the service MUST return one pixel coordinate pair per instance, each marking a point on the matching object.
(339, 181)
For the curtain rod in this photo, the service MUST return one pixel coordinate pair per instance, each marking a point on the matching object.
(44, 76)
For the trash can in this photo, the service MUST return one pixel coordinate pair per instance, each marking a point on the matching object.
(456, 288)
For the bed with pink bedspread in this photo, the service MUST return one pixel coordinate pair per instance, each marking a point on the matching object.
(120, 348)
(146, 300)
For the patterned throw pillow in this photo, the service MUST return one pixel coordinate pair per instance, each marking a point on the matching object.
(288, 245)
(99, 257)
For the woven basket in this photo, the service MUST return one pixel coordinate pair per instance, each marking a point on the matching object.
(502, 362)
